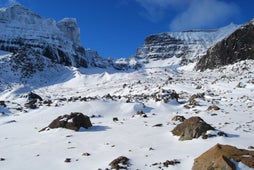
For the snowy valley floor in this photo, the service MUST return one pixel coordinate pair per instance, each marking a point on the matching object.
(22, 146)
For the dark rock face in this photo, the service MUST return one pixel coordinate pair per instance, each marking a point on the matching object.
(74, 121)
(191, 128)
(220, 156)
(119, 163)
(238, 46)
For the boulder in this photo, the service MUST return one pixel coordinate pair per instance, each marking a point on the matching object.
(73, 121)
(178, 118)
(33, 96)
(220, 156)
(191, 128)
(31, 104)
(213, 107)
(121, 162)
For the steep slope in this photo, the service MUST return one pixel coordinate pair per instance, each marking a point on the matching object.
(59, 41)
(236, 47)
(185, 46)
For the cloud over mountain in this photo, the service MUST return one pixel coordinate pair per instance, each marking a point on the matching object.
(189, 14)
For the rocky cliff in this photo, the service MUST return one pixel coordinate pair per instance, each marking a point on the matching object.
(58, 41)
(187, 46)
(236, 47)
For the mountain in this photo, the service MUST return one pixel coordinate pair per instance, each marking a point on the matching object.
(38, 43)
(234, 48)
(184, 47)
(23, 29)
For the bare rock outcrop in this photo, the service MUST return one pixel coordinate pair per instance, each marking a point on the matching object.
(73, 121)
(236, 47)
(193, 127)
(220, 156)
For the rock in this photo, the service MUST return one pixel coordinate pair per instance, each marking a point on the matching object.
(47, 102)
(199, 87)
(251, 147)
(74, 121)
(31, 104)
(2, 159)
(220, 133)
(32, 96)
(178, 118)
(191, 128)
(141, 113)
(158, 125)
(2, 103)
(220, 156)
(121, 162)
(86, 154)
(192, 101)
(174, 95)
(115, 119)
(240, 85)
(173, 162)
(67, 160)
(213, 107)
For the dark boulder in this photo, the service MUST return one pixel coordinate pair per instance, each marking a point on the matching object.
(73, 121)
(31, 104)
(33, 96)
(221, 156)
(2, 103)
(193, 127)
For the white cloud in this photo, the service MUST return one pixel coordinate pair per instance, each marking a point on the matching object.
(155, 10)
(189, 14)
(204, 14)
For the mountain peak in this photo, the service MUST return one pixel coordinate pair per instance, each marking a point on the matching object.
(59, 41)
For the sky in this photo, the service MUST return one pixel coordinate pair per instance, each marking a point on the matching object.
(116, 28)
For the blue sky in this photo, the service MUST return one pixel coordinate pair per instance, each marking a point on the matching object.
(116, 28)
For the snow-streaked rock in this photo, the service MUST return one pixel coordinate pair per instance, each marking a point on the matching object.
(58, 41)
(186, 46)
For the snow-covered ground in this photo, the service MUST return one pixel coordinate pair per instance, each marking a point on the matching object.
(24, 147)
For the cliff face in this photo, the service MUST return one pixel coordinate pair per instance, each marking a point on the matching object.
(236, 47)
(187, 46)
(58, 41)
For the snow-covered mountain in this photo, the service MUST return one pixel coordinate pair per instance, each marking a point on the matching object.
(59, 41)
(182, 47)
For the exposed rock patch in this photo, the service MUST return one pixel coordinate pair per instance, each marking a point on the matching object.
(34, 96)
(121, 162)
(74, 121)
(219, 157)
(213, 107)
(193, 127)
(178, 118)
